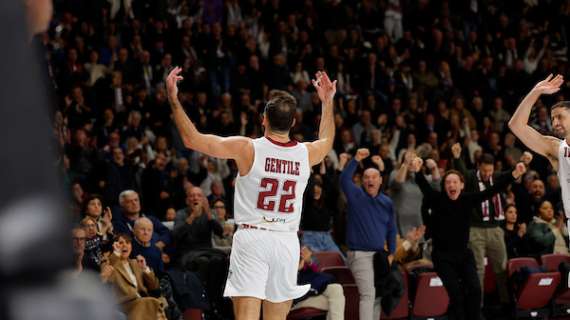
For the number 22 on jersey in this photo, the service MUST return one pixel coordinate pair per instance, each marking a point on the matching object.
(272, 187)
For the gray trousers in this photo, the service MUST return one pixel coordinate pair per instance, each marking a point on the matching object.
(361, 264)
(490, 243)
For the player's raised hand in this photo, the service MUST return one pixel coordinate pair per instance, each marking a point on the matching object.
(171, 82)
(326, 89)
(549, 85)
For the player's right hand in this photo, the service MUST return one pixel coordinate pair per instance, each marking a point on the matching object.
(171, 82)
(549, 85)
(326, 89)
(361, 154)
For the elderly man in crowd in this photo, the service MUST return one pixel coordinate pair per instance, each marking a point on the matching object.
(131, 212)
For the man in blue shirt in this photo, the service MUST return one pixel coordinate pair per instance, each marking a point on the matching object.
(371, 224)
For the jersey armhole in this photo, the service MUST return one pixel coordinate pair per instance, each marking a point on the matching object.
(252, 163)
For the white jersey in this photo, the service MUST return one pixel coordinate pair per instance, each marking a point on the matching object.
(271, 194)
(564, 174)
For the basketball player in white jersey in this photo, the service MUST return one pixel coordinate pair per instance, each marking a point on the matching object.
(273, 174)
(555, 149)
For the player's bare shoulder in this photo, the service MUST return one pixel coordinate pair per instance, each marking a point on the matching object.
(242, 151)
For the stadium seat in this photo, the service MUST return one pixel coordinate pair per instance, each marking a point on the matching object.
(402, 310)
(490, 279)
(342, 274)
(430, 299)
(551, 261)
(329, 259)
(305, 313)
(561, 301)
(515, 264)
(533, 296)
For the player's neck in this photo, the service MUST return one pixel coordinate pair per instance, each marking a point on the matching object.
(279, 137)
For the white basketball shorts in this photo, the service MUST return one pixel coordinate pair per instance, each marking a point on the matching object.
(263, 265)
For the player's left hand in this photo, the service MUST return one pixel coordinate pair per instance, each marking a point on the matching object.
(326, 89)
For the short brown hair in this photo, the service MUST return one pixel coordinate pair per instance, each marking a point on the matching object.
(280, 110)
(561, 104)
(450, 172)
(125, 236)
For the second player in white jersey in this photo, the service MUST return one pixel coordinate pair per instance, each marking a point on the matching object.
(564, 174)
(271, 194)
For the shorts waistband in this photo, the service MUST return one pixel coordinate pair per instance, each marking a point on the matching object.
(249, 226)
(253, 227)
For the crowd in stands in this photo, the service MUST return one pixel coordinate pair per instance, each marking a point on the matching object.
(434, 79)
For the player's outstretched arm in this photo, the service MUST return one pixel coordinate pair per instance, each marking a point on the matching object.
(326, 90)
(237, 148)
(543, 145)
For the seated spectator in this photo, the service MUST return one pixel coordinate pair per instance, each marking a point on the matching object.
(94, 209)
(194, 225)
(143, 245)
(319, 208)
(193, 230)
(408, 249)
(323, 295)
(133, 282)
(170, 215)
(223, 242)
(77, 200)
(514, 233)
(546, 233)
(131, 211)
(93, 245)
(79, 237)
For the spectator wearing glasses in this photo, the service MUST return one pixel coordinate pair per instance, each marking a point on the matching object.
(223, 242)
(94, 244)
(78, 236)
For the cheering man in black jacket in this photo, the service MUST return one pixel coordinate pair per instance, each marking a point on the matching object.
(452, 259)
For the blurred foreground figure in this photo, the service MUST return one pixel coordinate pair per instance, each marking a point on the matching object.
(35, 246)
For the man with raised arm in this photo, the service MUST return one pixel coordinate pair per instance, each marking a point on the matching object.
(273, 174)
(555, 149)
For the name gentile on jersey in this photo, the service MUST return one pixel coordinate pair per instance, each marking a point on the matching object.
(282, 166)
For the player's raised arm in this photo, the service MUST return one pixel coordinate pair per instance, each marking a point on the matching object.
(541, 144)
(326, 90)
(237, 148)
